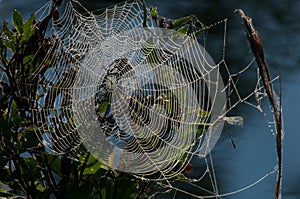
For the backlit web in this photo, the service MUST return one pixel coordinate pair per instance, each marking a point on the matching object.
(141, 95)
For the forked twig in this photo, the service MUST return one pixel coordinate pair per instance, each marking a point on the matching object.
(257, 49)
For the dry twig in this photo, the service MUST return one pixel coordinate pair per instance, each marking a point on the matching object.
(257, 49)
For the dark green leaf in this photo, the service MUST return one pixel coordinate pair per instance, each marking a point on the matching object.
(4, 193)
(181, 21)
(55, 163)
(28, 138)
(5, 176)
(107, 189)
(32, 171)
(127, 188)
(7, 31)
(10, 38)
(10, 44)
(18, 21)
(28, 29)
(3, 160)
(28, 59)
(2, 45)
(81, 192)
(199, 131)
(15, 114)
(3, 56)
(96, 194)
(4, 127)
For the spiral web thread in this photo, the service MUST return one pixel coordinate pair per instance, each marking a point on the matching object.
(144, 100)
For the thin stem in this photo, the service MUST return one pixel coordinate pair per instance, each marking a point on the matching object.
(84, 165)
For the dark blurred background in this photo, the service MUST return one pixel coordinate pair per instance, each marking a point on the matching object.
(255, 155)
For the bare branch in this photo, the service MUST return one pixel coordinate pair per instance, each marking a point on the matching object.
(257, 49)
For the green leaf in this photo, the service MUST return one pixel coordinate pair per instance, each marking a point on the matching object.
(181, 21)
(39, 187)
(3, 160)
(107, 188)
(154, 13)
(201, 31)
(10, 38)
(3, 52)
(33, 171)
(92, 166)
(16, 119)
(199, 131)
(55, 163)
(2, 45)
(5, 194)
(183, 30)
(103, 107)
(7, 31)
(4, 127)
(28, 59)
(28, 29)
(153, 55)
(6, 176)
(127, 188)
(203, 113)
(83, 191)
(18, 21)
(28, 138)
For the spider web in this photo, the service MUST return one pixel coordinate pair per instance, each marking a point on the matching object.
(142, 96)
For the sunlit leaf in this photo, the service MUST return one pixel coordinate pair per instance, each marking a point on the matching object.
(183, 30)
(103, 107)
(154, 13)
(92, 166)
(28, 59)
(203, 113)
(39, 187)
(201, 31)
(181, 21)
(28, 29)
(18, 21)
